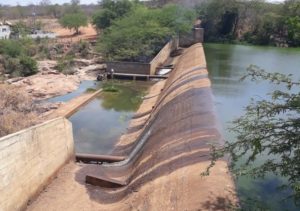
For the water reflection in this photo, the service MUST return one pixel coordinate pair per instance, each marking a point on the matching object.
(227, 64)
(98, 125)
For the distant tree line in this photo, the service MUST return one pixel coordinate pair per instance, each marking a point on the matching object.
(44, 8)
(254, 21)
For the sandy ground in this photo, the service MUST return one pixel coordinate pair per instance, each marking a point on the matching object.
(86, 33)
(50, 83)
(166, 175)
(64, 35)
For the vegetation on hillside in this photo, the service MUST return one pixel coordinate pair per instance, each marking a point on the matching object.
(140, 34)
(254, 21)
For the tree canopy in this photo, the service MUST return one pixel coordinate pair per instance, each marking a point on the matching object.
(74, 21)
(139, 35)
(111, 10)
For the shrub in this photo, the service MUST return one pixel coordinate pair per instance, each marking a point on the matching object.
(22, 66)
(11, 48)
(28, 65)
(65, 65)
(17, 55)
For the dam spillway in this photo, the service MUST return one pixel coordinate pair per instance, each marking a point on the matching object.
(165, 153)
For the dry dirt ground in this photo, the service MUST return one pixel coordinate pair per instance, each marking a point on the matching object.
(166, 175)
(66, 35)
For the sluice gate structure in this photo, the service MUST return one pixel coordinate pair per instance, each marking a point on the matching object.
(166, 149)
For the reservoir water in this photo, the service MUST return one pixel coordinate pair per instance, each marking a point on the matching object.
(226, 65)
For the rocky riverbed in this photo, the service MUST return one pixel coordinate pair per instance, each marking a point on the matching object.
(49, 82)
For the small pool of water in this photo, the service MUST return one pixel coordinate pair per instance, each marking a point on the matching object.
(98, 125)
(83, 87)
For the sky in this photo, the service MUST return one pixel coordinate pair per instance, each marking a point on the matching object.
(26, 2)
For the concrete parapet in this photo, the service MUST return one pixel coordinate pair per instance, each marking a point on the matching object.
(189, 39)
(163, 55)
(29, 159)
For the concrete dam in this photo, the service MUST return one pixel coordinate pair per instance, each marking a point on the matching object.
(163, 154)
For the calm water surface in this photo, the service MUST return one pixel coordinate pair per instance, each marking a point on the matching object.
(98, 125)
(83, 87)
(227, 64)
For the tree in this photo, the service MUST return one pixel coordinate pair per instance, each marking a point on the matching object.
(293, 26)
(139, 35)
(110, 11)
(269, 131)
(74, 21)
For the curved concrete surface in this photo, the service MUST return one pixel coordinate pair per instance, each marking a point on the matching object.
(162, 170)
(179, 109)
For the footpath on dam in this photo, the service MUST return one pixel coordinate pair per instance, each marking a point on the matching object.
(179, 119)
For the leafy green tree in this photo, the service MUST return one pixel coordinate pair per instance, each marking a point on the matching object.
(110, 11)
(139, 35)
(74, 21)
(293, 26)
(269, 131)
(177, 18)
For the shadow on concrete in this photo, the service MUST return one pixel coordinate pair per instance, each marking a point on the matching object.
(183, 142)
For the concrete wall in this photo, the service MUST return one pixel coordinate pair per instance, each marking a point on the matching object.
(30, 158)
(189, 39)
(129, 67)
(144, 68)
(163, 55)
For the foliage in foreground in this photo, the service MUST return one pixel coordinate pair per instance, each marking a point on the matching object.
(17, 110)
(139, 35)
(269, 132)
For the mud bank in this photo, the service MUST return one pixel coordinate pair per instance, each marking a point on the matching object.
(165, 175)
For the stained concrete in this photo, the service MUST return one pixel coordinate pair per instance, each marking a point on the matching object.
(166, 173)
(30, 158)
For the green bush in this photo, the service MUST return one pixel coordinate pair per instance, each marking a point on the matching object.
(17, 55)
(28, 65)
(11, 48)
(111, 10)
(65, 65)
(139, 35)
(22, 66)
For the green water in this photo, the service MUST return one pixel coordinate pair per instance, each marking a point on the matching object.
(98, 125)
(227, 64)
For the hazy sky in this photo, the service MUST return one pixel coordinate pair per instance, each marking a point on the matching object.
(26, 2)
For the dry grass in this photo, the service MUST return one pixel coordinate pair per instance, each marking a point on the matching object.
(17, 110)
